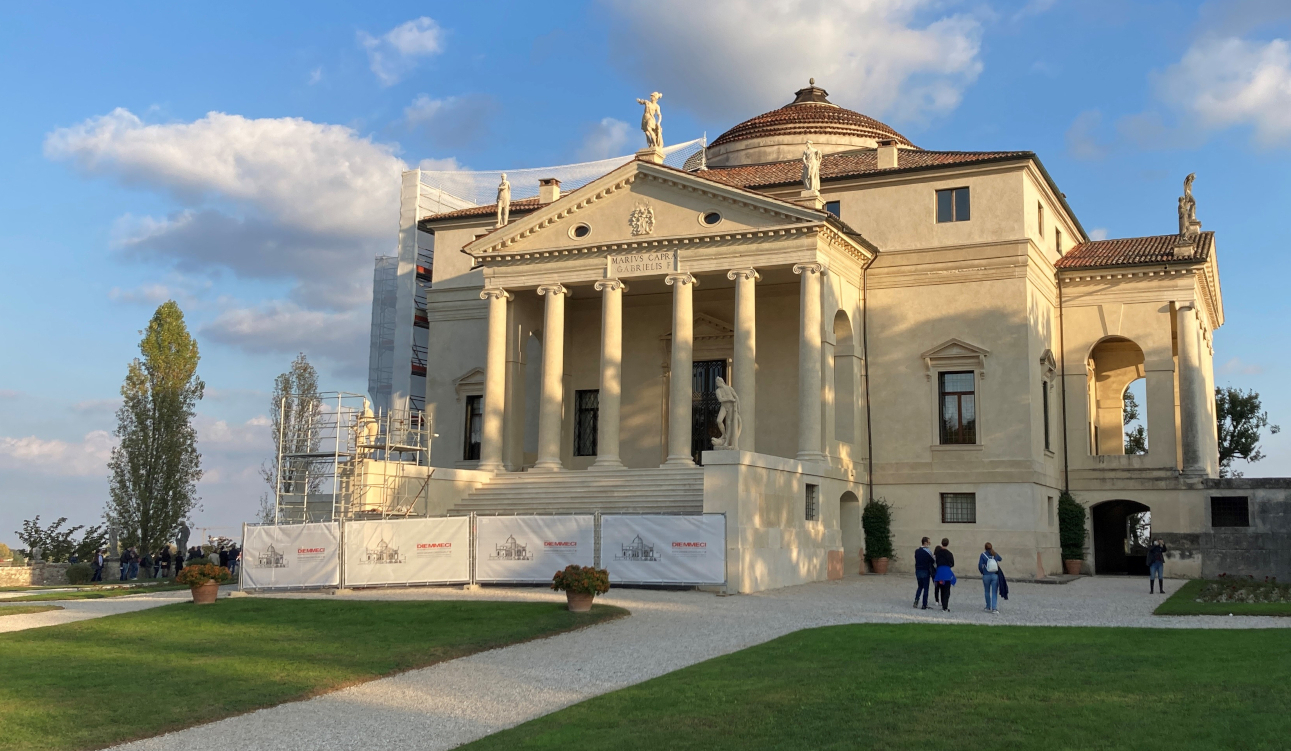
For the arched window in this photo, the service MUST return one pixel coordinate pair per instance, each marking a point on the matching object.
(846, 379)
(1113, 365)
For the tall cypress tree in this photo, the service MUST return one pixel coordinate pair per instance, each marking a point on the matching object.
(156, 466)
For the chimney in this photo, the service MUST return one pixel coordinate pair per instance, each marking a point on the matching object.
(548, 190)
(887, 154)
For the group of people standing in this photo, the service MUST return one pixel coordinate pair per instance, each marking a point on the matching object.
(936, 567)
(163, 561)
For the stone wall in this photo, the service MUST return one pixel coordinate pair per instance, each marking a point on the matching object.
(39, 575)
(1263, 548)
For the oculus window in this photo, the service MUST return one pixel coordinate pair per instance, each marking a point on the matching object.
(952, 205)
(587, 405)
(710, 218)
(580, 231)
(958, 508)
(1230, 512)
(958, 407)
(474, 427)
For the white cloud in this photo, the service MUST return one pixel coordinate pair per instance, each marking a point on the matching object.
(284, 327)
(731, 60)
(1098, 233)
(452, 122)
(10, 394)
(1082, 137)
(1033, 8)
(1222, 82)
(1236, 366)
(83, 458)
(605, 139)
(315, 75)
(96, 406)
(395, 53)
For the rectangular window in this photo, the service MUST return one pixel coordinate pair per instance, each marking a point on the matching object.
(833, 208)
(474, 426)
(1039, 217)
(958, 407)
(958, 508)
(813, 503)
(952, 205)
(1230, 512)
(1051, 511)
(1044, 392)
(587, 405)
(1057, 240)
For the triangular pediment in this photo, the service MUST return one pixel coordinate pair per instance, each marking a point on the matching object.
(707, 327)
(641, 202)
(955, 348)
(470, 382)
(955, 354)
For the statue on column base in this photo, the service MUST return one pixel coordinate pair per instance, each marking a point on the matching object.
(728, 418)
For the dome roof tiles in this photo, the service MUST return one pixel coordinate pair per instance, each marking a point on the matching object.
(811, 113)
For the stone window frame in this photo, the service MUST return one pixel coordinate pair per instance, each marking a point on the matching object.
(955, 355)
(469, 384)
(942, 497)
(954, 218)
(811, 511)
(1048, 375)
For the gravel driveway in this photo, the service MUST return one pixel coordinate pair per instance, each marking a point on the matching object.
(445, 705)
(80, 610)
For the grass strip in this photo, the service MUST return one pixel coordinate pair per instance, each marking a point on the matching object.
(1184, 602)
(919, 686)
(26, 609)
(80, 685)
(95, 593)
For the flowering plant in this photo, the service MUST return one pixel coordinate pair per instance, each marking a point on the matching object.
(195, 576)
(587, 580)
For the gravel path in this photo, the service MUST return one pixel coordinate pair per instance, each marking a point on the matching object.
(80, 610)
(445, 705)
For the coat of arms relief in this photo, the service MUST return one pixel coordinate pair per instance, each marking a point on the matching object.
(641, 220)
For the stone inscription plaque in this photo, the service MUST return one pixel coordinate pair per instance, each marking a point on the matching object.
(642, 264)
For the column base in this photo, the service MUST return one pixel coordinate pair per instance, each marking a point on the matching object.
(812, 456)
(680, 461)
(547, 465)
(609, 462)
(494, 468)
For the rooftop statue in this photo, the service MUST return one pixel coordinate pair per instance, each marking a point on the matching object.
(1188, 224)
(652, 121)
(504, 201)
(811, 158)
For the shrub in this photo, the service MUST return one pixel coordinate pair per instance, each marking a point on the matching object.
(196, 575)
(202, 562)
(79, 573)
(587, 580)
(1071, 528)
(876, 520)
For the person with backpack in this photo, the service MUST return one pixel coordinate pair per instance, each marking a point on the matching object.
(924, 567)
(1156, 566)
(945, 575)
(988, 565)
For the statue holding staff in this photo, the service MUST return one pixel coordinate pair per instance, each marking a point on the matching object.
(652, 121)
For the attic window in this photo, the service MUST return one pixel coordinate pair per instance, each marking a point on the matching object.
(579, 231)
(710, 218)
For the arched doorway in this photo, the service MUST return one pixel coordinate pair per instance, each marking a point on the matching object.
(1120, 530)
(849, 520)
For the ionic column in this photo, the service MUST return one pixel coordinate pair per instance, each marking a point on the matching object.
(607, 417)
(679, 387)
(1191, 384)
(809, 401)
(553, 377)
(495, 379)
(744, 379)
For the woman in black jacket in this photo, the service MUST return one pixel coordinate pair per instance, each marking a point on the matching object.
(944, 577)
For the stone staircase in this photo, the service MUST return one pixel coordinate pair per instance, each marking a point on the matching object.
(675, 490)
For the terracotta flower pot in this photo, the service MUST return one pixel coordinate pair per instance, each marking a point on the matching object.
(579, 602)
(205, 594)
(880, 565)
(1072, 566)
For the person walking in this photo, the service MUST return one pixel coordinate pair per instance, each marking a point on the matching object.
(124, 560)
(988, 565)
(98, 566)
(1156, 566)
(944, 576)
(134, 564)
(924, 567)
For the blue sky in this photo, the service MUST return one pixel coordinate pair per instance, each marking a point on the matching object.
(245, 162)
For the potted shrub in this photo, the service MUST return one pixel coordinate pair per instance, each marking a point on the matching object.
(876, 520)
(204, 580)
(1071, 533)
(581, 584)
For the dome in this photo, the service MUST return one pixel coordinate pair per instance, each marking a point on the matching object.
(779, 135)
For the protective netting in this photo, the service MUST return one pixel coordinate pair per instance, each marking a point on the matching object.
(450, 190)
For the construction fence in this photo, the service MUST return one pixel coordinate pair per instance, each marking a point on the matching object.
(636, 549)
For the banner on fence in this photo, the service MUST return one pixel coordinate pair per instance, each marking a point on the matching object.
(531, 548)
(291, 555)
(408, 551)
(662, 549)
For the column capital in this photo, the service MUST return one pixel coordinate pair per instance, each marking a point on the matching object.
(815, 267)
(681, 278)
(554, 288)
(613, 285)
(494, 292)
(746, 273)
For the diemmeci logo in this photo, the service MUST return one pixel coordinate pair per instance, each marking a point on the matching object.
(560, 543)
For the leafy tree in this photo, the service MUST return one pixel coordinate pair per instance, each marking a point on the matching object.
(1240, 419)
(1071, 528)
(57, 543)
(294, 412)
(156, 466)
(876, 520)
(1136, 440)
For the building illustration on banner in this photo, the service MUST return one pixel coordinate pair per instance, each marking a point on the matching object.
(271, 558)
(511, 550)
(637, 550)
(383, 552)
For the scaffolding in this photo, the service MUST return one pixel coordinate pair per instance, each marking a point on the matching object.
(385, 292)
(339, 459)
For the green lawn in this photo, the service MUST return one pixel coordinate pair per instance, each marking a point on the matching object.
(1183, 602)
(96, 593)
(62, 686)
(923, 687)
(24, 609)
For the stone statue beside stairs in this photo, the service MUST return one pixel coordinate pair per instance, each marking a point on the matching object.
(728, 418)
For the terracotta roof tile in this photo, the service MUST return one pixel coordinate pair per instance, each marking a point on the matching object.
(810, 118)
(1133, 251)
(520, 206)
(850, 164)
